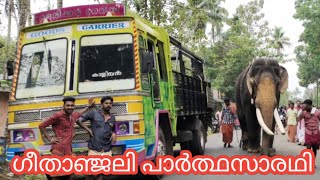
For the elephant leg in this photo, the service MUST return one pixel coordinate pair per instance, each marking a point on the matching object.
(244, 137)
(253, 135)
(267, 145)
(254, 141)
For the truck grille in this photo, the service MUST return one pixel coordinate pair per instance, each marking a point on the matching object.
(29, 116)
(81, 135)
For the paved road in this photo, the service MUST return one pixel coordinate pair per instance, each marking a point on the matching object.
(215, 148)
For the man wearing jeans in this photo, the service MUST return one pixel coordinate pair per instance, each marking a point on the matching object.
(62, 124)
(102, 129)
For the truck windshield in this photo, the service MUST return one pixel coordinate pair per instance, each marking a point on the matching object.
(106, 63)
(42, 69)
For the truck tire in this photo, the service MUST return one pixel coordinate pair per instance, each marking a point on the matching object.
(185, 145)
(198, 142)
(163, 148)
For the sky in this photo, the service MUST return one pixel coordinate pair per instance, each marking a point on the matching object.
(277, 13)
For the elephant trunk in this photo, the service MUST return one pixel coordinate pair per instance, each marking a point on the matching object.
(266, 103)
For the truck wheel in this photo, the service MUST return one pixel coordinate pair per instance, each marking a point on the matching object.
(185, 145)
(164, 147)
(161, 148)
(198, 142)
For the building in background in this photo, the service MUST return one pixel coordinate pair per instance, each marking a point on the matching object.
(4, 97)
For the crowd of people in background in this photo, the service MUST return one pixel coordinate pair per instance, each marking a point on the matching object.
(301, 121)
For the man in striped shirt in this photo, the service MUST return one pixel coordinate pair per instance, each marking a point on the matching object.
(228, 122)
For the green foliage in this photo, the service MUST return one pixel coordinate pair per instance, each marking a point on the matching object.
(3, 51)
(35, 177)
(295, 95)
(226, 53)
(308, 70)
(308, 54)
(284, 98)
(248, 37)
(234, 53)
(311, 93)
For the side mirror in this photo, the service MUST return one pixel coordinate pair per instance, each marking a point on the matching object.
(147, 62)
(10, 68)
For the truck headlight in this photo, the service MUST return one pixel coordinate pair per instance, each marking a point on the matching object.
(23, 135)
(122, 128)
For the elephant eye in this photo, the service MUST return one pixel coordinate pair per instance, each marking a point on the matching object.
(254, 72)
(276, 71)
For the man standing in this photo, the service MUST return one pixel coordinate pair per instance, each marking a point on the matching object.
(62, 124)
(218, 115)
(311, 118)
(102, 129)
(228, 122)
(300, 125)
(292, 123)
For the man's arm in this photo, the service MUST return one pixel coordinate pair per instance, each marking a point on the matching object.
(300, 117)
(90, 105)
(80, 121)
(44, 132)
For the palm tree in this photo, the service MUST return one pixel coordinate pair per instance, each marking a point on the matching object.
(215, 15)
(279, 40)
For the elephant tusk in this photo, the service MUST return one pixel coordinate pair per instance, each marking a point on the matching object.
(261, 122)
(278, 121)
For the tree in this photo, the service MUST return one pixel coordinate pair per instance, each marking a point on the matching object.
(245, 40)
(3, 51)
(279, 41)
(284, 98)
(187, 21)
(308, 54)
(1, 13)
(295, 95)
(311, 93)
(216, 14)
(307, 72)
(24, 12)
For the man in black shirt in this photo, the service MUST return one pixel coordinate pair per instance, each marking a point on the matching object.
(102, 130)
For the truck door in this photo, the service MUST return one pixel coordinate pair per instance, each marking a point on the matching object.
(154, 77)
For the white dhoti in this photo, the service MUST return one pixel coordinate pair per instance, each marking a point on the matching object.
(301, 131)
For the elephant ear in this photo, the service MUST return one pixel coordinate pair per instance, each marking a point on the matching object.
(283, 79)
(249, 80)
(249, 84)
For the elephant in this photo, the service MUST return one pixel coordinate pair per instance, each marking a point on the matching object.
(258, 90)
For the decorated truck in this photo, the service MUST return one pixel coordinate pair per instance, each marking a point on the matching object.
(161, 97)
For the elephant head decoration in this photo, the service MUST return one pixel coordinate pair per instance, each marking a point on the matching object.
(258, 90)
